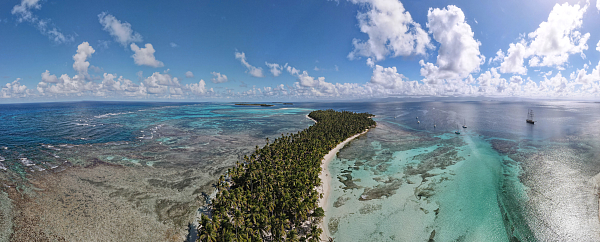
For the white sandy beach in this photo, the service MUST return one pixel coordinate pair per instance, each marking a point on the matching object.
(311, 118)
(326, 181)
(325, 176)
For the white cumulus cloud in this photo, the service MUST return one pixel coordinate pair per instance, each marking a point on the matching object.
(56, 36)
(24, 13)
(558, 37)
(145, 56)
(274, 68)
(119, 87)
(122, 32)
(551, 43)
(14, 90)
(459, 52)
(499, 57)
(159, 83)
(387, 77)
(308, 81)
(252, 70)
(291, 70)
(218, 77)
(391, 31)
(491, 82)
(516, 79)
(46, 77)
(197, 88)
(23, 10)
(513, 62)
(77, 85)
(582, 77)
(557, 85)
(189, 74)
(84, 51)
(109, 83)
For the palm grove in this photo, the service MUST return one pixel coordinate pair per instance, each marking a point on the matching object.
(272, 195)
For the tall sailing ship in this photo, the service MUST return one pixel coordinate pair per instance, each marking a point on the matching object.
(530, 117)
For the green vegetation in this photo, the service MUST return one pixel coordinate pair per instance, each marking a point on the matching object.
(271, 195)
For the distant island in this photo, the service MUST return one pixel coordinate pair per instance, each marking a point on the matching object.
(255, 104)
(288, 104)
(272, 194)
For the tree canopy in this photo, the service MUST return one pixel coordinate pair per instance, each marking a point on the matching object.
(271, 195)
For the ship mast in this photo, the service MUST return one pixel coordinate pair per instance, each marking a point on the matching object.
(531, 114)
(530, 117)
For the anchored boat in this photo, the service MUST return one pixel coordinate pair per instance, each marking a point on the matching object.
(530, 117)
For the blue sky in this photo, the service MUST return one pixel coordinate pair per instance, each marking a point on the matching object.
(297, 50)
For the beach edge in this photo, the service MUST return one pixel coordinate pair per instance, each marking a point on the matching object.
(325, 175)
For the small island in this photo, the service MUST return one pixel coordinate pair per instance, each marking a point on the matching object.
(255, 104)
(273, 194)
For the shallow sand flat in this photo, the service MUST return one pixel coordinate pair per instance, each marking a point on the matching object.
(6, 215)
(377, 219)
(326, 180)
(142, 190)
(143, 193)
(99, 203)
(390, 189)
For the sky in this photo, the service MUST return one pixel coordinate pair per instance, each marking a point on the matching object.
(308, 50)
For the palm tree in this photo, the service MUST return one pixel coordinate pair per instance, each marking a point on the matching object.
(209, 234)
(238, 221)
(292, 236)
(315, 233)
(286, 172)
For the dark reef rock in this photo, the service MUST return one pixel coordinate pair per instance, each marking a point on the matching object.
(504, 146)
(340, 201)
(387, 189)
(348, 182)
(441, 158)
(369, 208)
(333, 225)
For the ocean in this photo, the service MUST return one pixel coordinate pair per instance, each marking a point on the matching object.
(146, 168)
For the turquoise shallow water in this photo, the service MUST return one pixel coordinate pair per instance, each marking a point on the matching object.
(147, 166)
(48, 136)
(499, 180)
(449, 188)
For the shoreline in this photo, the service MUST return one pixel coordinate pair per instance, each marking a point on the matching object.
(325, 186)
(325, 176)
(311, 118)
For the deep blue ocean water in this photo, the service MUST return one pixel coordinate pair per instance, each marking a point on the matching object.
(501, 179)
